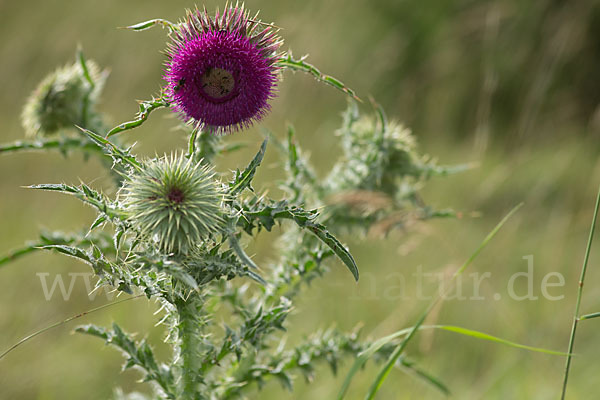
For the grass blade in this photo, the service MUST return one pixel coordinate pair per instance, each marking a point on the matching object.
(56, 324)
(410, 367)
(400, 349)
(367, 354)
(484, 336)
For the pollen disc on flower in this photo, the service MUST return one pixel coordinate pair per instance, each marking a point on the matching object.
(221, 73)
(217, 84)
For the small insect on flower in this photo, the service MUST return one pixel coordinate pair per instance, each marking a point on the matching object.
(179, 85)
(222, 71)
(174, 203)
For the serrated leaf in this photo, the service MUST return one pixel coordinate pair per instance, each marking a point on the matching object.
(117, 238)
(145, 108)
(300, 65)
(62, 145)
(85, 194)
(97, 222)
(112, 150)
(335, 245)
(139, 355)
(92, 330)
(244, 179)
(54, 238)
(70, 251)
(55, 187)
(84, 67)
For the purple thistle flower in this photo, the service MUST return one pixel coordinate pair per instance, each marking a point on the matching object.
(221, 71)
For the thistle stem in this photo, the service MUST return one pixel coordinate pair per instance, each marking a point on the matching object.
(579, 295)
(190, 345)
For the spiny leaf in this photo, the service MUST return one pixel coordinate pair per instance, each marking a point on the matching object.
(138, 354)
(335, 245)
(300, 65)
(192, 143)
(71, 251)
(85, 194)
(97, 222)
(84, 67)
(244, 179)
(245, 259)
(62, 144)
(146, 107)
(142, 26)
(118, 155)
(266, 215)
(56, 238)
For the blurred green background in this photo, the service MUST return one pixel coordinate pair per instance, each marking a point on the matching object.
(511, 85)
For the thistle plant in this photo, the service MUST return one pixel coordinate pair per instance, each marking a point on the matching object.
(177, 230)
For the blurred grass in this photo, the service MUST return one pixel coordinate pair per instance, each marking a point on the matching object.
(509, 84)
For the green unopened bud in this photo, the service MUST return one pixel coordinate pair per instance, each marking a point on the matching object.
(65, 98)
(377, 158)
(174, 203)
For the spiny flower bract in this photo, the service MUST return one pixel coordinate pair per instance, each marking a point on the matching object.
(174, 202)
(63, 99)
(378, 158)
(222, 71)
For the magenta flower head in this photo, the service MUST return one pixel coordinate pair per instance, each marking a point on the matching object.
(222, 71)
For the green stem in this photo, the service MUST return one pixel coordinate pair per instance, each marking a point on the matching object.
(190, 333)
(589, 316)
(579, 294)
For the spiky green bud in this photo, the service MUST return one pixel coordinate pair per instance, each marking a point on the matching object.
(65, 98)
(174, 203)
(378, 157)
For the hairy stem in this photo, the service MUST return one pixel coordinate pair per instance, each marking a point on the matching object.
(190, 332)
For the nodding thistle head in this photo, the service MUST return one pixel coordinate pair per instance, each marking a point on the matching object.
(221, 71)
(380, 157)
(174, 203)
(65, 98)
